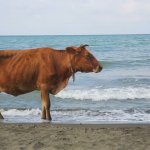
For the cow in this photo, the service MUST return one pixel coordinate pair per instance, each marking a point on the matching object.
(45, 69)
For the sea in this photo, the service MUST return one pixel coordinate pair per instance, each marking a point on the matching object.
(120, 93)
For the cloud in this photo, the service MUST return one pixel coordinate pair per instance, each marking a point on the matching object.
(74, 16)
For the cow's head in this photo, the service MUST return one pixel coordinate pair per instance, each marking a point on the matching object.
(82, 60)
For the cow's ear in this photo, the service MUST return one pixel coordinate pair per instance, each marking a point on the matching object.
(83, 46)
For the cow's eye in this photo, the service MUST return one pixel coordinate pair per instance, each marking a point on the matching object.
(89, 56)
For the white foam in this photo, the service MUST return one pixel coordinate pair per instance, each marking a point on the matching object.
(106, 94)
(21, 116)
(85, 116)
(25, 112)
(3, 93)
(99, 116)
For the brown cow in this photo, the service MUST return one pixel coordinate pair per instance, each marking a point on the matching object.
(44, 69)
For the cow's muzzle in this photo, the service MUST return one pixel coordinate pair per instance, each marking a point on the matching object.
(98, 69)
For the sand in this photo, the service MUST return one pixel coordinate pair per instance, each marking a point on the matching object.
(48, 136)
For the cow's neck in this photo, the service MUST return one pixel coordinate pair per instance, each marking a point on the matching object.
(66, 64)
(72, 67)
(64, 70)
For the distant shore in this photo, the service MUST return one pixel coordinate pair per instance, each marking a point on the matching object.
(74, 136)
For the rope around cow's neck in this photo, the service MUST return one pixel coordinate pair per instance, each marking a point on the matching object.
(72, 71)
(73, 74)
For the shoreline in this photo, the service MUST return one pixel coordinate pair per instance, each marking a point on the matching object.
(78, 124)
(53, 136)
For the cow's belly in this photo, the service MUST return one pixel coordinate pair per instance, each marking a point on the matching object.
(14, 87)
(15, 91)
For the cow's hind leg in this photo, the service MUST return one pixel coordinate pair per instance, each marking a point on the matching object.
(1, 117)
(45, 105)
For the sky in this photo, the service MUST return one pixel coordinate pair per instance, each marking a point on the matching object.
(74, 17)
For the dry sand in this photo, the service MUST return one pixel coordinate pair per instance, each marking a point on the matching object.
(46, 136)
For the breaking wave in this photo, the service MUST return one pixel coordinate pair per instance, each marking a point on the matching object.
(107, 94)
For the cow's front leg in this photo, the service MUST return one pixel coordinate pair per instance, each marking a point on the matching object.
(45, 105)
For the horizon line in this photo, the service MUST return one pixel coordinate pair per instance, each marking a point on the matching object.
(74, 34)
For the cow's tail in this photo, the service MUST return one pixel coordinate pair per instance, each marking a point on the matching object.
(4, 54)
(1, 117)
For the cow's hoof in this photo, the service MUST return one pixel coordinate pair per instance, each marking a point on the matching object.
(43, 118)
(49, 119)
(1, 117)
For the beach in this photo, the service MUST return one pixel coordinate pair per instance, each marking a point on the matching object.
(49, 136)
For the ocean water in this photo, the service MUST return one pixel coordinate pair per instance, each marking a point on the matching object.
(120, 93)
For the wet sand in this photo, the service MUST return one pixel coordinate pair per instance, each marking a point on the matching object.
(47, 136)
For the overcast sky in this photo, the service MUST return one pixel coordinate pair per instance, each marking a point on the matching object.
(32, 17)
